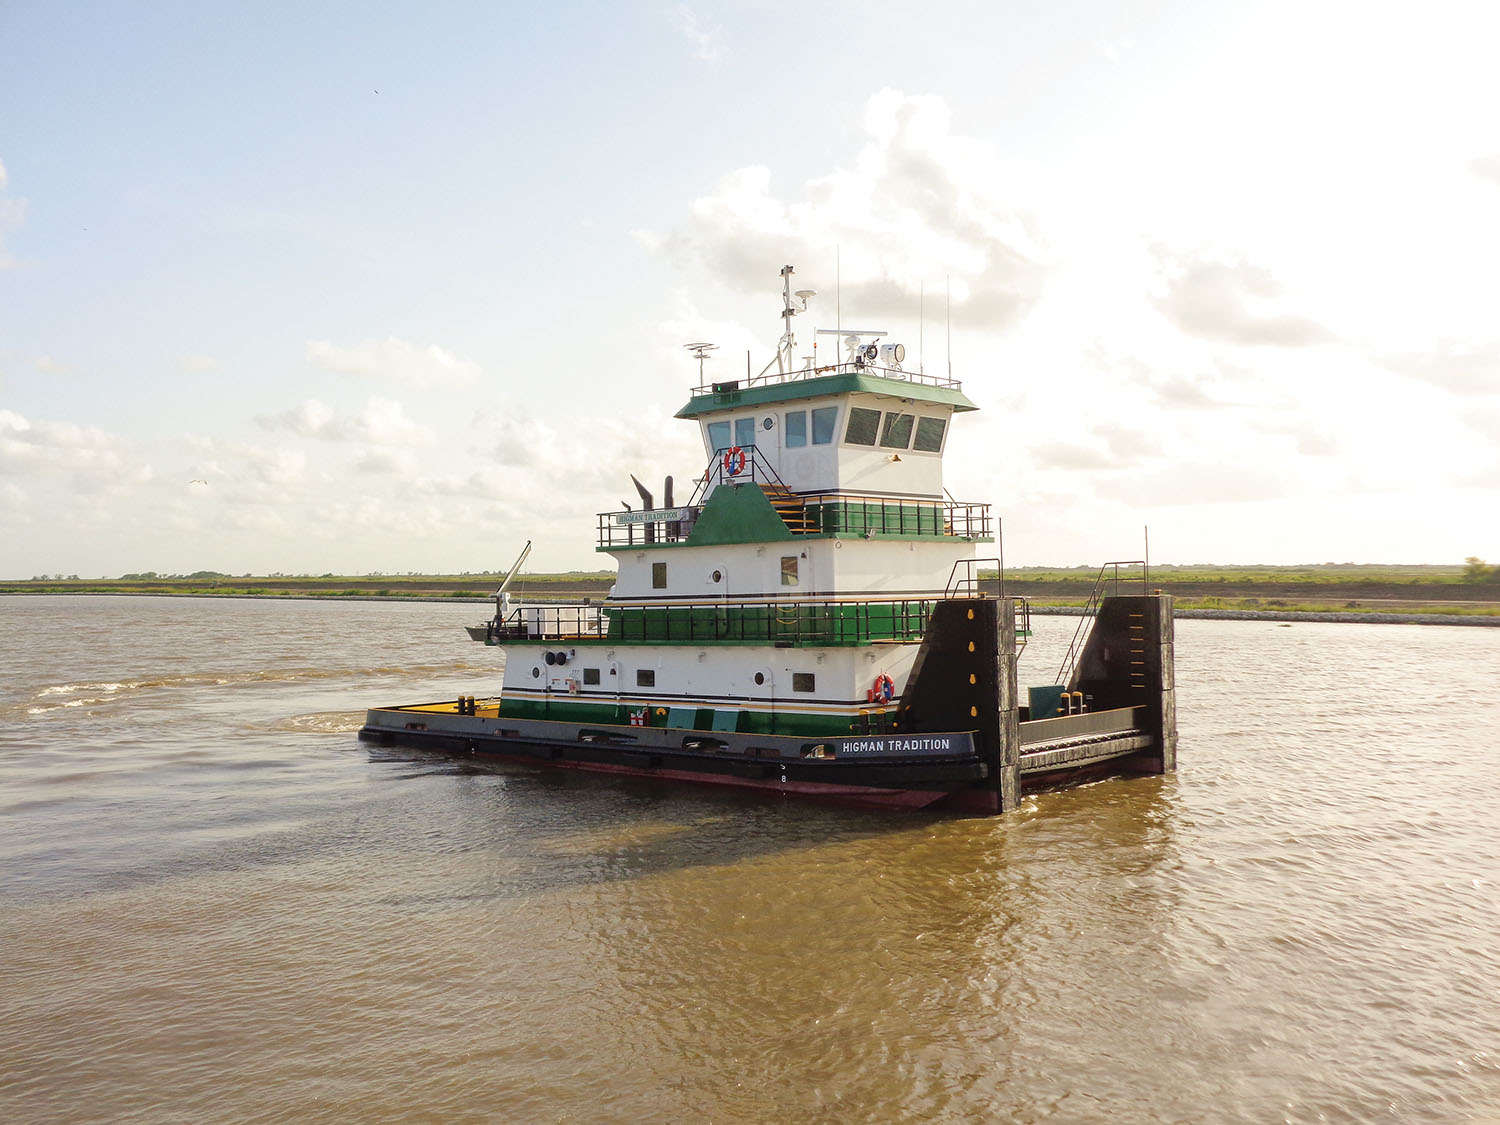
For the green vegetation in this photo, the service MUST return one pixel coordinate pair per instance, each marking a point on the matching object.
(211, 583)
(1470, 589)
(1321, 574)
(1477, 571)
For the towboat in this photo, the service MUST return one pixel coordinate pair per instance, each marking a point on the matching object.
(817, 619)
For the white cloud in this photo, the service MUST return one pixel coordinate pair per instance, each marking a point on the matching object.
(1231, 301)
(309, 418)
(12, 215)
(49, 366)
(395, 462)
(277, 465)
(705, 42)
(382, 422)
(1458, 367)
(1487, 167)
(87, 455)
(1204, 482)
(394, 359)
(920, 204)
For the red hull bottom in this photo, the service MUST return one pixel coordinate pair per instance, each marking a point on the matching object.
(854, 796)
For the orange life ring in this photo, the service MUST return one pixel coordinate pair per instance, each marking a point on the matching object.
(885, 687)
(734, 460)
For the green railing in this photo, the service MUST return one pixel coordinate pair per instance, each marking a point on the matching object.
(777, 623)
(786, 624)
(846, 515)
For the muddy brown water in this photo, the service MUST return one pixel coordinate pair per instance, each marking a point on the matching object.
(217, 905)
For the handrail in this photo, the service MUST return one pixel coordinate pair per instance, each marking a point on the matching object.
(970, 584)
(730, 386)
(778, 622)
(831, 512)
(967, 584)
(755, 470)
(1109, 573)
(825, 513)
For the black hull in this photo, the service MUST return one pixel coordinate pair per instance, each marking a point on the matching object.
(960, 741)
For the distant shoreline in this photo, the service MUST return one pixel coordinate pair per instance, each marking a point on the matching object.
(1340, 617)
(1343, 616)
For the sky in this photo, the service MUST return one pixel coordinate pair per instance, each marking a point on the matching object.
(359, 288)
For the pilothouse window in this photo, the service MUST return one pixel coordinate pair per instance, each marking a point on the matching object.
(930, 434)
(825, 422)
(863, 426)
(744, 431)
(718, 436)
(795, 431)
(896, 433)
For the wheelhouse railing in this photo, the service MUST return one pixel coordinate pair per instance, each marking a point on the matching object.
(785, 624)
(821, 513)
(837, 513)
(730, 386)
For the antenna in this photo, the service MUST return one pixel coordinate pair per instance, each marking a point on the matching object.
(948, 286)
(921, 327)
(700, 353)
(785, 349)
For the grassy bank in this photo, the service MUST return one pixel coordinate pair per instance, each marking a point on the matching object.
(1345, 588)
(1334, 588)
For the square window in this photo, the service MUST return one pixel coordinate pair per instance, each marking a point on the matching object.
(591, 675)
(930, 434)
(825, 420)
(645, 677)
(863, 426)
(804, 681)
(659, 576)
(796, 428)
(789, 570)
(896, 433)
(718, 436)
(744, 432)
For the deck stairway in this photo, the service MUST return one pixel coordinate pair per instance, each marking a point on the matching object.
(789, 506)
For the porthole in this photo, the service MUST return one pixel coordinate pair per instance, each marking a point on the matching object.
(767, 422)
(718, 576)
(535, 672)
(760, 678)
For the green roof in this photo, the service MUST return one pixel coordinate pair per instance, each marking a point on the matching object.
(732, 396)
